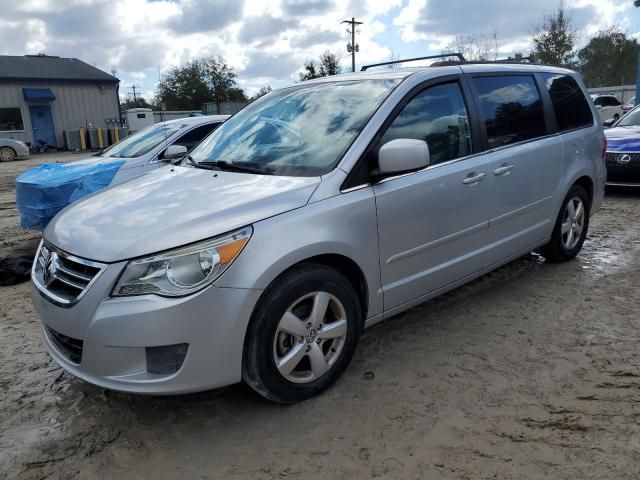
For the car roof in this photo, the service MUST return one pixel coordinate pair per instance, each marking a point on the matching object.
(445, 68)
(198, 120)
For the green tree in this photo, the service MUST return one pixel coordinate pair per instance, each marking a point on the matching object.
(197, 82)
(310, 71)
(555, 39)
(139, 102)
(609, 59)
(261, 92)
(328, 64)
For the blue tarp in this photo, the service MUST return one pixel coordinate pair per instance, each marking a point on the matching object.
(43, 191)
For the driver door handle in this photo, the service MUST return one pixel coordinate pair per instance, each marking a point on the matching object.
(503, 170)
(473, 178)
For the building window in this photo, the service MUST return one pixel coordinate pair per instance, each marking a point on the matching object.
(10, 119)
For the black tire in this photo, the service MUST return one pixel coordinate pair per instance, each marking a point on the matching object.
(7, 154)
(556, 250)
(616, 117)
(259, 369)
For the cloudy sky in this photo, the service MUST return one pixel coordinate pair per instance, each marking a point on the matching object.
(268, 41)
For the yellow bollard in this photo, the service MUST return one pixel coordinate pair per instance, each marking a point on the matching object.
(83, 143)
(116, 132)
(100, 144)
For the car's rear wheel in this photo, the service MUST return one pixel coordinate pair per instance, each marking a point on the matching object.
(7, 154)
(616, 117)
(302, 335)
(571, 227)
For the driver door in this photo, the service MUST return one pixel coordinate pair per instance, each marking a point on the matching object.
(433, 224)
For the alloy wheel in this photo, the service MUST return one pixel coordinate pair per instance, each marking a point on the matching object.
(572, 223)
(309, 337)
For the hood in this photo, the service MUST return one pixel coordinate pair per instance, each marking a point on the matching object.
(171, 207)
(623, 139)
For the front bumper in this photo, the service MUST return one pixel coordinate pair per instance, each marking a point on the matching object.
(625, 173)
(115, 333)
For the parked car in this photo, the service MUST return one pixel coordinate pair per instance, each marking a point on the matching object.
(10, 149)
(608, 106)
(623, 150)
(316, 211)
(629, 105)
(43, 191)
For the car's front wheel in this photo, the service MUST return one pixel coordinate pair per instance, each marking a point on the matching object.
(302, 335)
(571, 227)
(7, 154)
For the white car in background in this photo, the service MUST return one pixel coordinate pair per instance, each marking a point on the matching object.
(10, 149)
(44, 190)
(608, 106)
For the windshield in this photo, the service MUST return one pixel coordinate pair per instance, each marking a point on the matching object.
(632, 119)
(298, 131)
(142, 142)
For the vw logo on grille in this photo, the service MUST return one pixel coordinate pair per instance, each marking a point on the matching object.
(624, 158)
(50, 269)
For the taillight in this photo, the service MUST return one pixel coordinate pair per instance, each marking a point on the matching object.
(604, 149)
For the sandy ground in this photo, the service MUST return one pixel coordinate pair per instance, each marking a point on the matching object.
(532, 371)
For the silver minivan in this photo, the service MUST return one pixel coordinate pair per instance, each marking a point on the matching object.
(317, 211)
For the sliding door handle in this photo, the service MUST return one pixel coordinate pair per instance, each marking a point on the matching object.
(503, 170)
(473, 178)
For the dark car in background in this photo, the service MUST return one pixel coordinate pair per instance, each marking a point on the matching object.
(623, 150)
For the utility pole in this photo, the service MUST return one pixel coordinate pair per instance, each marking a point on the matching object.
(133, 90)
(352, 47)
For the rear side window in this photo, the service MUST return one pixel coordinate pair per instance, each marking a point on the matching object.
(511, 107)
(569, 103)
(438, 116)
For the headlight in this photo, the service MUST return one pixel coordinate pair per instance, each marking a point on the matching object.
(184, 270)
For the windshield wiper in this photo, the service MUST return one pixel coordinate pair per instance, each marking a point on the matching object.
(236, 167)
(188, 158)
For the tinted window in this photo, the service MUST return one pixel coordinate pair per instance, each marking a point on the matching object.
(512, 109)
(438, 116)
(195, 136)
(569, 103)
(11, 119)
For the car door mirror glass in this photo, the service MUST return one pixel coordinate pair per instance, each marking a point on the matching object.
(402, 155)
(174, 151)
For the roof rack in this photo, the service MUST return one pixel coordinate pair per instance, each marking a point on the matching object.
(443, 55)
(524, 60)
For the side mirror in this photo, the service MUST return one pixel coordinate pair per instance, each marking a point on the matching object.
(402, 155)
(174, 151)
(598, 107)
(608, 123)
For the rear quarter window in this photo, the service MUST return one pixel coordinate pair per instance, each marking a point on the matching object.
(569, 102)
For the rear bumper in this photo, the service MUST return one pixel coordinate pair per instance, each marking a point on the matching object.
(22, 150)
(114, 340)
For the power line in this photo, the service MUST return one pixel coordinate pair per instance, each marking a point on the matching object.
(352, 47)
(314, 39)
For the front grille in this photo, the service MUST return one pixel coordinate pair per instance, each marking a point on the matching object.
(71, 348)
(612, 158)
(62, 277)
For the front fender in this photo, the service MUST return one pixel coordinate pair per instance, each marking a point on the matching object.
(344, 224)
